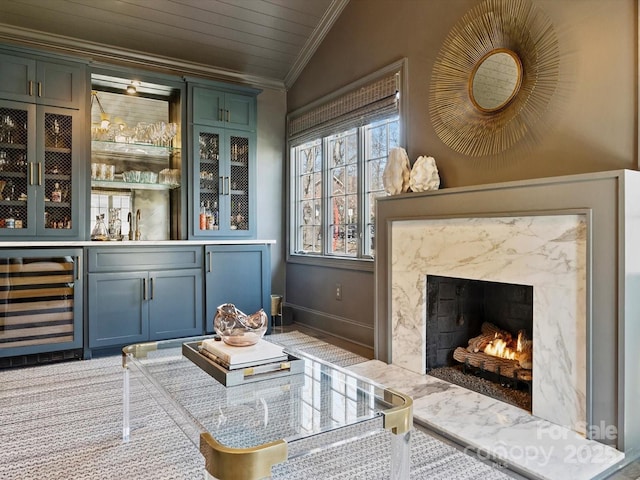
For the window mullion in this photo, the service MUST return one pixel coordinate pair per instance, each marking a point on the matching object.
(295, 235)
(326, 198)
(362, 191)
(297, 211)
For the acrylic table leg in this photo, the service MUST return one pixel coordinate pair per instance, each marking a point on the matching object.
(125, 405)
(400, 455)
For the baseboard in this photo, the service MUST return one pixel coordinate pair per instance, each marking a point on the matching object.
(342, 328)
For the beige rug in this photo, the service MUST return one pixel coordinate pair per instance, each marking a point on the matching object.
(63, 422)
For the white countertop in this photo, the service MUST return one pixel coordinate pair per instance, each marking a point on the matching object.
(127, 243)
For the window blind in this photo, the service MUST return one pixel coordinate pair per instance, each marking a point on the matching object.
(358, 105)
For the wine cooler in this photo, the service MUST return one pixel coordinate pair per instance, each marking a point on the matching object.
(40, 306)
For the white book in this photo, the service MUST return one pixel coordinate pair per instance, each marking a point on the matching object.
(239, 366)
(261, 352)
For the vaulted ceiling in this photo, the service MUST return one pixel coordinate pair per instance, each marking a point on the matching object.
(263, 42)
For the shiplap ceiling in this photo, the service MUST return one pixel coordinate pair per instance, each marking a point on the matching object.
(262, 42)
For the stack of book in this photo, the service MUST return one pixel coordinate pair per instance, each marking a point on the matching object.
(233, 358)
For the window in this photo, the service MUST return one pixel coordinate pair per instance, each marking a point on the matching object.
(354, 161)
(309, 196)
(338, 152)
(116, 203)
(380, 138)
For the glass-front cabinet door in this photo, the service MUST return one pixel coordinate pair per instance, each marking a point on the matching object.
(238, 182)
(208, 182)
(17, 172)
(223, 177)
(55, 172)
(38, 191)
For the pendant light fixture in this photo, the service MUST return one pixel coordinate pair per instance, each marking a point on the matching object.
(131, 89)
(105, 122)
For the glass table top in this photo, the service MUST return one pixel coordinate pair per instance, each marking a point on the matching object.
(294, 409)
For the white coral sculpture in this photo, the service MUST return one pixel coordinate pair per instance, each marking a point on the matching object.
(424, 175)
(395, 177)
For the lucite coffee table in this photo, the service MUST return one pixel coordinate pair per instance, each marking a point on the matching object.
(243, 430)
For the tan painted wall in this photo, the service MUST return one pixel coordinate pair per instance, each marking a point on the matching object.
(591, 125)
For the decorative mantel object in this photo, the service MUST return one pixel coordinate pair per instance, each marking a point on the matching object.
(424, 175)
(395, 177)
(238, 329)
(494, 77)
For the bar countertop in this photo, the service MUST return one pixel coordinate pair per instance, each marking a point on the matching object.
(126, 243)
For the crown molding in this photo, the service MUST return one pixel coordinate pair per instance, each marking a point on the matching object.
(107, 53)
(314, 41)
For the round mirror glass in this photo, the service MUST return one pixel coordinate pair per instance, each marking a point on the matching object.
(495, 80)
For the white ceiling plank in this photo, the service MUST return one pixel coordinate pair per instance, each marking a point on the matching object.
(260, 38)
(222, 27)
(135, 21)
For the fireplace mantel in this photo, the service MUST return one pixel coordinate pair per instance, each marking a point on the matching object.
(607, 331)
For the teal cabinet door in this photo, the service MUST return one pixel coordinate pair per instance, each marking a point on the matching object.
(223, 173)
(223, 183)
(57, 167)
(240, 111)
(175, 303)
(60, 84)
(18, 170)
(217, 108)
(208, 106)
(40, 154)
(118, 311)
(238, 274)
(17, 74)
(141, 294)
(43, 82)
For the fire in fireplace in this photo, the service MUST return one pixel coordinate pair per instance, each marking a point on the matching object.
(497, 351)
(478, 336)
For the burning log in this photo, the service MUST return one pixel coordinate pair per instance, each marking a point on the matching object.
(525, 352)
(495, 350)
(503, 366)
(488, 333)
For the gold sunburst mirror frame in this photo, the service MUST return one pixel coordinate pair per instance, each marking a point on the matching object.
(494, 77)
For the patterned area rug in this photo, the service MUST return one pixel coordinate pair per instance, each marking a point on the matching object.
(299, 341)
(63, 422)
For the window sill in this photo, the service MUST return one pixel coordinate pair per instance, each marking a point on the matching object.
(361, 264)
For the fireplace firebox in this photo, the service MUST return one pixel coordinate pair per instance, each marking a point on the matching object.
(478, 336)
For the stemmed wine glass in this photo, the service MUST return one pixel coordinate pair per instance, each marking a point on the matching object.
(6, 130)
(54, 131)
(170, 132)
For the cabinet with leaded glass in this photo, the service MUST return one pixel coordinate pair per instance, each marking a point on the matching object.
(223, 146)
(223, 175)
(39, 151)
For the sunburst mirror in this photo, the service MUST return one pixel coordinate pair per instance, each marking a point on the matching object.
(494, 77)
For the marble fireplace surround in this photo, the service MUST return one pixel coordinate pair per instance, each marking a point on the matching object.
(571, 238)
(546, 251)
